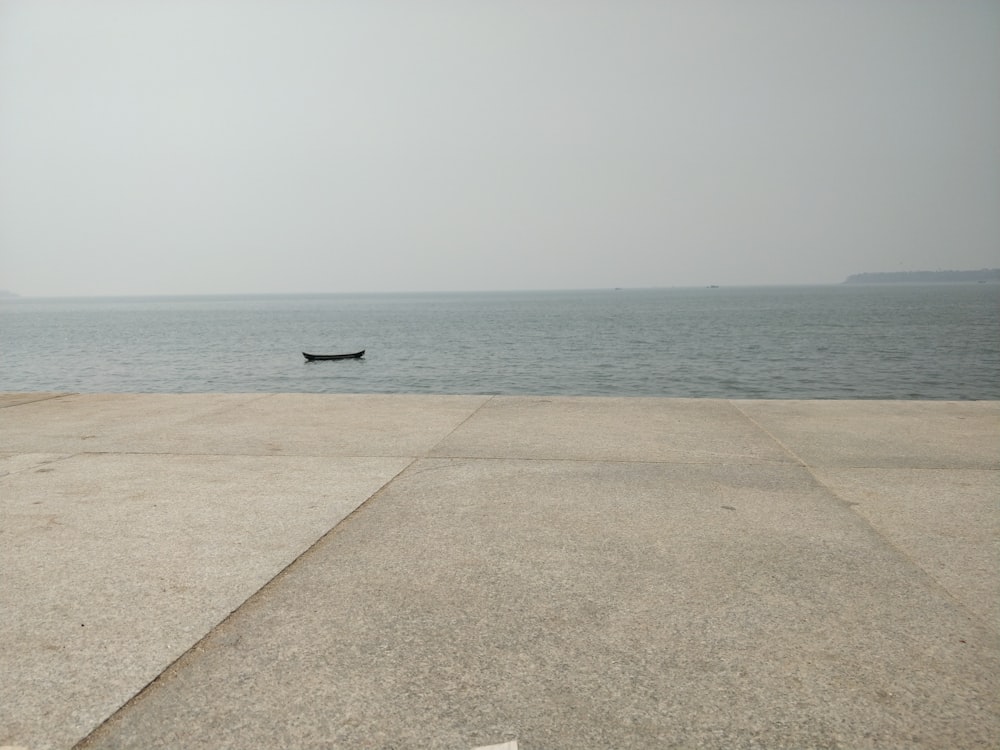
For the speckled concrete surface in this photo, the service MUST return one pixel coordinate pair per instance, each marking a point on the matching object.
(613, 429)
(472, 571)
(884, 434)
(947, 522)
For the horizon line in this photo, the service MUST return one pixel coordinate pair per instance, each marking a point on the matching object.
(7, 295)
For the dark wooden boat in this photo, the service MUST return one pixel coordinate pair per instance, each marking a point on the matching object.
(315, 357)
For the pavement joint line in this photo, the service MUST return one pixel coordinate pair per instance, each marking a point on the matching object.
(770, 434)
(852, 508)
(137, 697)
(934, 582)
(468, 416)
(50, 397)
(242, 455)
(624, 461)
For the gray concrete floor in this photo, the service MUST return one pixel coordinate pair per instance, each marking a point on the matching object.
(342, 571)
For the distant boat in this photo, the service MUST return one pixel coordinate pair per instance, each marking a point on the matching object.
(314, 357)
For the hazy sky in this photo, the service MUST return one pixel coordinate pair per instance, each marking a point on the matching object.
(173, 147)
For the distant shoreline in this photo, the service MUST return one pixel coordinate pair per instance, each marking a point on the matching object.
(924, 277)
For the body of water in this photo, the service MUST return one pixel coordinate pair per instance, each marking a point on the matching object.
(939, 341)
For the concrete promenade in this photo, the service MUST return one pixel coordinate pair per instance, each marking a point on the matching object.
(449, 572)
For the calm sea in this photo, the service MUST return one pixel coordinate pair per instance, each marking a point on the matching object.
(828, 342)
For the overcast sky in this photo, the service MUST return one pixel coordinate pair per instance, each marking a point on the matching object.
(173, 147)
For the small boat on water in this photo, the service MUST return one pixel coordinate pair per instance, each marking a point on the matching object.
(315, 357)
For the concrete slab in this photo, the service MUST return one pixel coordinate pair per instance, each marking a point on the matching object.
(248, 424)
(115, 565)
(653, 572)
(901, 434)
(947, 522)
(319, 425)
(613, 429)
(98, 422)
(581, 604)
